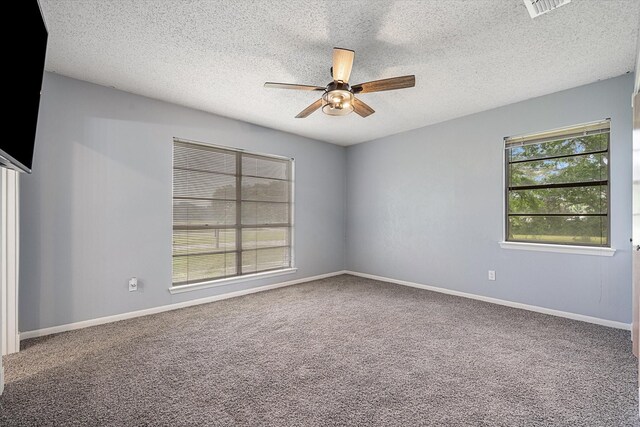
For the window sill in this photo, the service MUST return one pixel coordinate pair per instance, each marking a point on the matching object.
(565, 249)
(230, 280)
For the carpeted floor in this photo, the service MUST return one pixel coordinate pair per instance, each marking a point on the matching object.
(340, 351)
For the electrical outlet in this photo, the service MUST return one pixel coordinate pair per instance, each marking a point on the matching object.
(492, 275)
(133, 284)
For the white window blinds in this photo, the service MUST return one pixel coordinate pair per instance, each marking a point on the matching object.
(232, 213)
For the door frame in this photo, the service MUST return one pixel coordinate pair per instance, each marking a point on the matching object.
(635, 239)
(9, 257)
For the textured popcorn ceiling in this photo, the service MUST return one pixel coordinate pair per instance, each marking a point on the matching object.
(467, 56)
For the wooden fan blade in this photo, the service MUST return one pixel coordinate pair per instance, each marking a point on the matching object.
(385, 84)
(362, 109)
(310, 109)
(342, 63)
(273, 85)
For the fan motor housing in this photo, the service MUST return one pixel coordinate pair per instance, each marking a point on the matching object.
(336, 85)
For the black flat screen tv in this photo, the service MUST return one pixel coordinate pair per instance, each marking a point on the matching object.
(17, 152)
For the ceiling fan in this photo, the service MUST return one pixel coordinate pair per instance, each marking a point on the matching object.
(338, 98)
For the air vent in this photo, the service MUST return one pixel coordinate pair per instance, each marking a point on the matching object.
(540, 7)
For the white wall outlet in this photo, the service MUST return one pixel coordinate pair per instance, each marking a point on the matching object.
(492, 275)
(133, 284)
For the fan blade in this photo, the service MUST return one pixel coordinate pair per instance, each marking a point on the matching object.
(362, 109)
(310, 109)
(385, 84)
(342, 63)
(273, 85)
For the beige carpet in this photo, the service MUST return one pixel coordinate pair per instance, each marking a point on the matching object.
(340, 351)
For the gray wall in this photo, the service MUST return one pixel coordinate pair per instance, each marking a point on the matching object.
(97, 209)
(423, 206)
(427, 206)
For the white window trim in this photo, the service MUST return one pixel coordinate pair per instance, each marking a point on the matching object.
(177, 289)
(564, 249)
(548, 247)
(230, 280)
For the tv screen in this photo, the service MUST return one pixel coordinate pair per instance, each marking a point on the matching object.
(17, 152)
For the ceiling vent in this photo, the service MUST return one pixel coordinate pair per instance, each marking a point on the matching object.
(540, 7)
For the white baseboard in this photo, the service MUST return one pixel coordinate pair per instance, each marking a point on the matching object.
(160, 309)
(573, 316)
(1, 379)
(163, 308)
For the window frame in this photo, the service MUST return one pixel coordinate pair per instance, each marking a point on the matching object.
(555, 135)
(179, 287)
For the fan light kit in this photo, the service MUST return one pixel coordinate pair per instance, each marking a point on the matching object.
(338, 98)
(338, 102)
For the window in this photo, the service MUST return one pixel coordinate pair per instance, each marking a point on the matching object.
(232, 213)
(557, 186)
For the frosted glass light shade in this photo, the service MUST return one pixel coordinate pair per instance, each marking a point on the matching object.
(337, 102)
